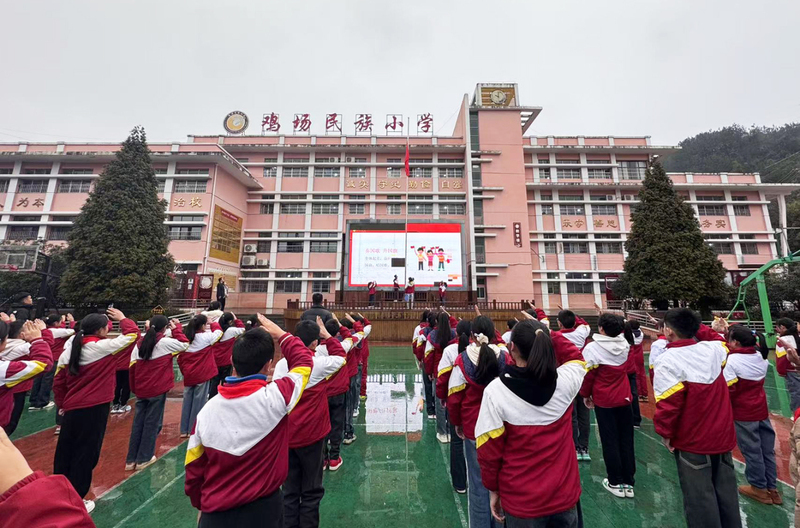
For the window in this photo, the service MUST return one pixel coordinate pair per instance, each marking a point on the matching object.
(320, 287)
(32, 186)
(632, 170)
(597, 161)
(357, 197)
(547, 209)
(291, 234)
(452, 209)
(394, 209)
(553, 288)
(601, 197)
(295, 172)
(186, 218)
(599, 174)
(568, 173)
(739, 198)
(356, 208)
(576, 247)
(579, 287)
(573, 237)
(722, 248)
(324, 208)
(323, 247)
(543, 160)
(395, 172)
(58, 232)
(608, 247)
(325, 235)
(749, 248)
(451, 172)
(184, 233)
(76, 171)
(570, 197)
(747, 237)
(192, 171)
(460, 161)
(421, 172)
(26, 218)
(266, 208)
(263, 246)
(4, 170)
(288, 286)
(290, 247)
(288, 274)
(36, 171)
(254, 286)
(293, 208)
(607, 210)
(550, 247)
(544, 174)
(564, 161)
(190, 186)
(357, 172)
(63, 218)
(288, 159)
(710, 198)
(579, 276)
(420, 209)
(74, 186)
(741, 210)
(161, 185)
(270, 172)
(22, 232)
(711, 210)
(327, 172)
(4, 186)
(160, 170)
(451, 198)
(480, 251)
(547, 196)
(571, 209)
(414, 161)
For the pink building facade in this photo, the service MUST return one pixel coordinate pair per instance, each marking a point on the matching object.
(543, 217)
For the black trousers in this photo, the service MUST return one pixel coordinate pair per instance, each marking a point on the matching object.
(580, 424)
(221, 301)
(615, 426)
(78, 448)
(122, 390)
(637, 414)
(266, 512)
(458, 464)
(16, 412)
(430, 393)
(337, 410)
(303, 491)
(222, 373)
(710, 495)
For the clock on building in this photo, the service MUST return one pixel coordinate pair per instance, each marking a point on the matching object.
(498, 95)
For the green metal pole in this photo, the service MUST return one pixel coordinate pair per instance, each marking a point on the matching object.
(769, 330)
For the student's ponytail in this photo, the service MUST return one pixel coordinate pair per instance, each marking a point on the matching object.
(628, 333)
(463, 331)
(791, 328)
(226, 320)
(3, 331)
(533, 343)
(197, 322)
(443, 334)
(761, 344)
(157, 325)
(89, 326)
(488, 367)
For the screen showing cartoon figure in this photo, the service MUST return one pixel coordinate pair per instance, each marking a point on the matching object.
(433, 253)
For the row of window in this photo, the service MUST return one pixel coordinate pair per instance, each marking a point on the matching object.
(611, 210)
(361, 172)
(360, 209)
(285, 286)
(84, 186)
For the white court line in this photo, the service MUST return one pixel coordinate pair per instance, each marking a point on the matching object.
(123, 481)
(461, 514)
(148, 501)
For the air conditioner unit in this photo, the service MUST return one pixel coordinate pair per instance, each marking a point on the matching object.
(349, 160)
(262, 262)
(250, 248)
(611, 197)
(249, 260)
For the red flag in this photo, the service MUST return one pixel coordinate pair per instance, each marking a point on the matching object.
(407, 161)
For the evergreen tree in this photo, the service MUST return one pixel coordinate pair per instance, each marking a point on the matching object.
(668, 259)
(118, 246)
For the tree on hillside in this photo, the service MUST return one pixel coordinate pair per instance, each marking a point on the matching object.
(668, 259)
(118, 245)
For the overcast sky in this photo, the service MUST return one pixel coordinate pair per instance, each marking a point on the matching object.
(90, 70)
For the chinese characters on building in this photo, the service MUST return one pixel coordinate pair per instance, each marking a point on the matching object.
(362, 125)
(195, 201)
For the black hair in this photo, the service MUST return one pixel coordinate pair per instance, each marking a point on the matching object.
(215, 305)
(226, 320)
(634, 325)
(567, 318)
(307, 331)
(22, 295)
(791, 328)
(463, 331)
(531, 311)
(511, 323)
(743, 335)
(612, 325)
(488, 367)
(424, 318)
(89, 326)
(432, 317)
(252, 322)
(443, 333)
(15, 328)
(157, 325)
(195, 324)
(683, 321)
(251, 351)
(532, 341)
(52, 320)
(332, 326)
(316, 298)
(761, 344)
(3, 330)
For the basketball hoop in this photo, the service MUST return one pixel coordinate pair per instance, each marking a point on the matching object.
(19, 257)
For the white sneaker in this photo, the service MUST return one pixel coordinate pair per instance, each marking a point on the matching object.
(115, 409)
(49, 405)
(617, 491)
(443, 438)
(127, 408)
(628, 491)
(89, 504)
(355, 413)
(431, 417)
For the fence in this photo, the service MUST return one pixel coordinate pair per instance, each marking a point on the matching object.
(417, 306)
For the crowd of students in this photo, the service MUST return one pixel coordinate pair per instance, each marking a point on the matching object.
(513, 408)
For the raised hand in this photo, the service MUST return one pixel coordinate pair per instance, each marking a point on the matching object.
(323, 332)
(147, 325)
(349, 318)
(15, 468)
(70, 318)
(526, 315)
(477, 311)
(270, 327)
(30, 331)
(115, 315)
(4, 317)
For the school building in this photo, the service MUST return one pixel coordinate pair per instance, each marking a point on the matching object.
(543, 217)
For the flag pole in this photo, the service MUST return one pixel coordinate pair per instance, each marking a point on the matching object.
(406, 169)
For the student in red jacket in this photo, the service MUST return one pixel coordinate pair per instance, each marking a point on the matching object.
(364, 359)
(744, 372)
(473, 370)
(421, 341)
(122, 388)
(152, 378)
(606, 390)
(577, 331)
(43, 385)
(17, 348)
(309, 425)
(31, 499)
(354, 372)
(788, 336)
(439, 339)
(198, 367)
(524, 434)
(636, 371)
(238, 454)
(695, 419)
(14, 371)
(223, 349)
(84, 388)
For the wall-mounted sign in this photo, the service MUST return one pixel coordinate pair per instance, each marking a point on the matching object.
(226, 235)
(236, 122)
(517, 234)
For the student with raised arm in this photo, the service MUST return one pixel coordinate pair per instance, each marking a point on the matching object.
(43, 385)
(788, 337)
(16, 371)
(238, 455)
(695, 419)
(439, 339)
(84, 388)
(309, 425)
(223, 349)
(152, 377)
(354, 372)
(458, 467)
(17, 348)
(575, 329)
(198, 367)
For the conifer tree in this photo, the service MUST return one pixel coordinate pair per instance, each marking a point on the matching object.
(668, 258)
(118, 245)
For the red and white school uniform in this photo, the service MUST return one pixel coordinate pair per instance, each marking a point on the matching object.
(38, 500)
(197, 362)
(418, 342)
(60, 338)
(782, 363)
(541, 316)
(239, 450)
(155, 376)
(222, 350)
(607, 371)
(445, 368)
(434, 351)
(14, 372)
(578, 334)
(657, 347)
(19, 350)
(693, 408)
(744, 373)
(637, 362)
(339, 382)
(525, 450)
